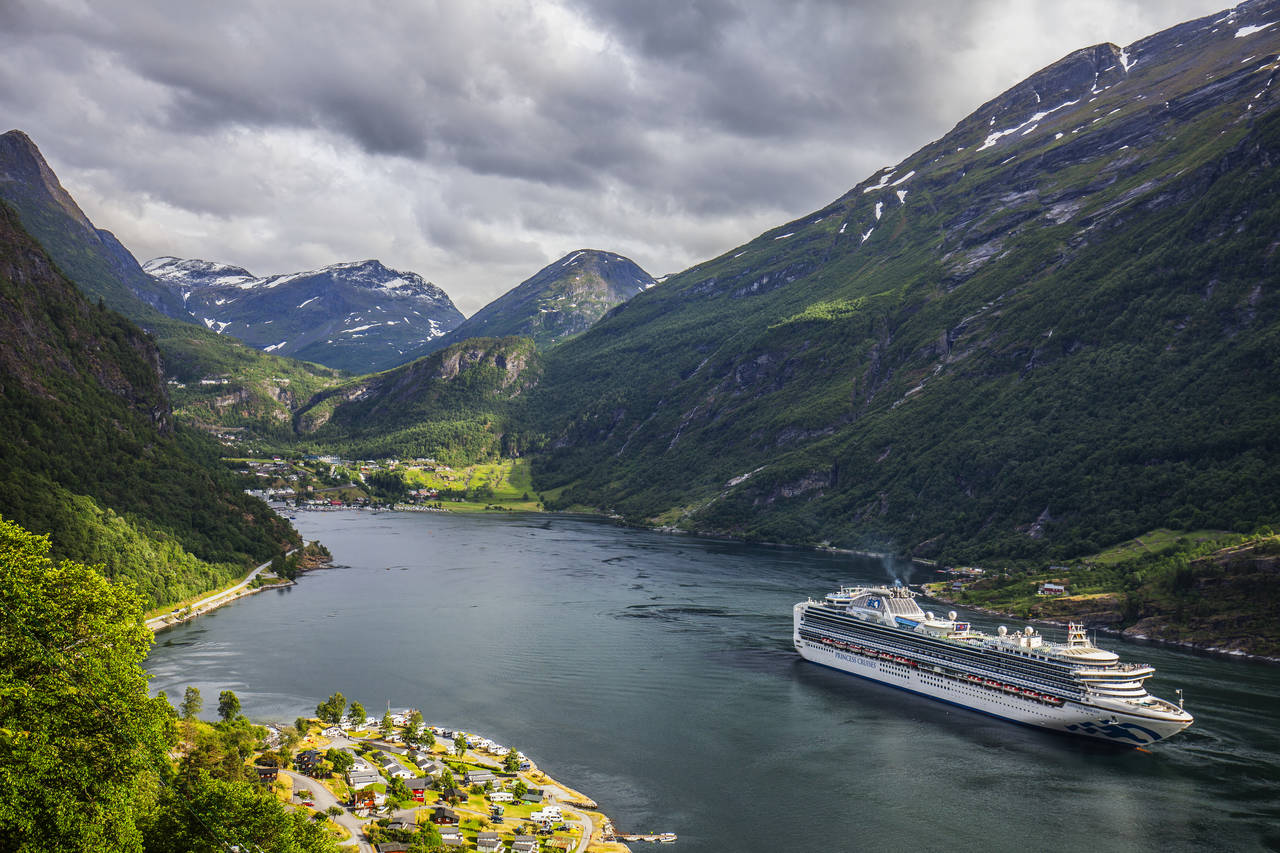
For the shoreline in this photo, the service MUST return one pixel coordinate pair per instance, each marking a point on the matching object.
(598, 832)
(925, 563)
(159, 623)
(1138, 639)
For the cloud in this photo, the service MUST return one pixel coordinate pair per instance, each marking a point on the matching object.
(474, 142)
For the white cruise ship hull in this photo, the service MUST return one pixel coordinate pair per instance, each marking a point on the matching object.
(1111, 724)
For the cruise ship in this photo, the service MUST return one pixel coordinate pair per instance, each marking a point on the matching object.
(881, 633)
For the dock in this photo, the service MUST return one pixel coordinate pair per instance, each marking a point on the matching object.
(653, 838)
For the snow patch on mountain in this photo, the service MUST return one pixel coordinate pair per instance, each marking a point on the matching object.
(1253, 28)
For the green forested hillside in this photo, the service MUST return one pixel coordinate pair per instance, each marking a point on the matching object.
(1049, 331)
(458, 405)
(89, 762)
(91, 454)
(220, 382)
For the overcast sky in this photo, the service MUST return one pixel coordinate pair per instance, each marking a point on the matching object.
(475, 141)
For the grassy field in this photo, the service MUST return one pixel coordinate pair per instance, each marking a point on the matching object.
(503, 485)
(1151, 543)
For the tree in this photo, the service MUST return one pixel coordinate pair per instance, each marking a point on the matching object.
(78, 730)
(386, 728)
(330, 710)
(413, 728)
(204, 815)
(191, 703)
(357, 715)
(446, 780)
(520, 789)
(228, 706)
(398, 789)
(341, 760)
(511, 762)
(460, 744)
(303, 725)
(427, 840)
(334, 811)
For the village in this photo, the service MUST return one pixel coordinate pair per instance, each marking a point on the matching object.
(323, 482)
(381, 781)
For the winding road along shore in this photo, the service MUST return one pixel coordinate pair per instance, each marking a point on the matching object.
(214, 601)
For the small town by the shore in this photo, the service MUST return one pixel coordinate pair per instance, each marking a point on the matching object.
(394, 784)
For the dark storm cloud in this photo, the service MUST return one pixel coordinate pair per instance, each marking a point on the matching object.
(469, 140)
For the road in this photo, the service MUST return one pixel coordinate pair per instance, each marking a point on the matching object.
(323, 798)
(208, 602)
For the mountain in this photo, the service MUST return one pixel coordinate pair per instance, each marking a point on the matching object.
(459, 404)
(216, 381)
(1048, 331)
(562, 299)
(91, 453)
(85, 253)
(360, 317)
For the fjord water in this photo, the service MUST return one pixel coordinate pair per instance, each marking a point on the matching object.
(655, 673)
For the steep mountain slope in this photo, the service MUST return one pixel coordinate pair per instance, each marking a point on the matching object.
(1052, 329)
(562, 299)
(359, 317)
(85, 253)
(456, 405)
(90, 451)
(218, 381)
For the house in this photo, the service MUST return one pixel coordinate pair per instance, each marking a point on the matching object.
(524, 844)
(332, 732)
(392, 768)
(547, 817)
(267, 775)
(453, 794)
(533, 795)
(428, 765)
(447, 833)
(488, 841)
(359, 777)
(558, 843)
(502, 797)
(444, 816)
(418, 788)
(392, 847)
(306, 760)
(1051, 588)
(479, 777)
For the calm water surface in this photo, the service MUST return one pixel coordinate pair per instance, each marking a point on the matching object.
(655, 674)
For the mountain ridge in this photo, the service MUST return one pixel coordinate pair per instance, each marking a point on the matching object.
(792, 388)
(562, 299)
(92, 454)
(353, 316)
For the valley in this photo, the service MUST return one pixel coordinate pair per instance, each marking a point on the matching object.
(1018, 354)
